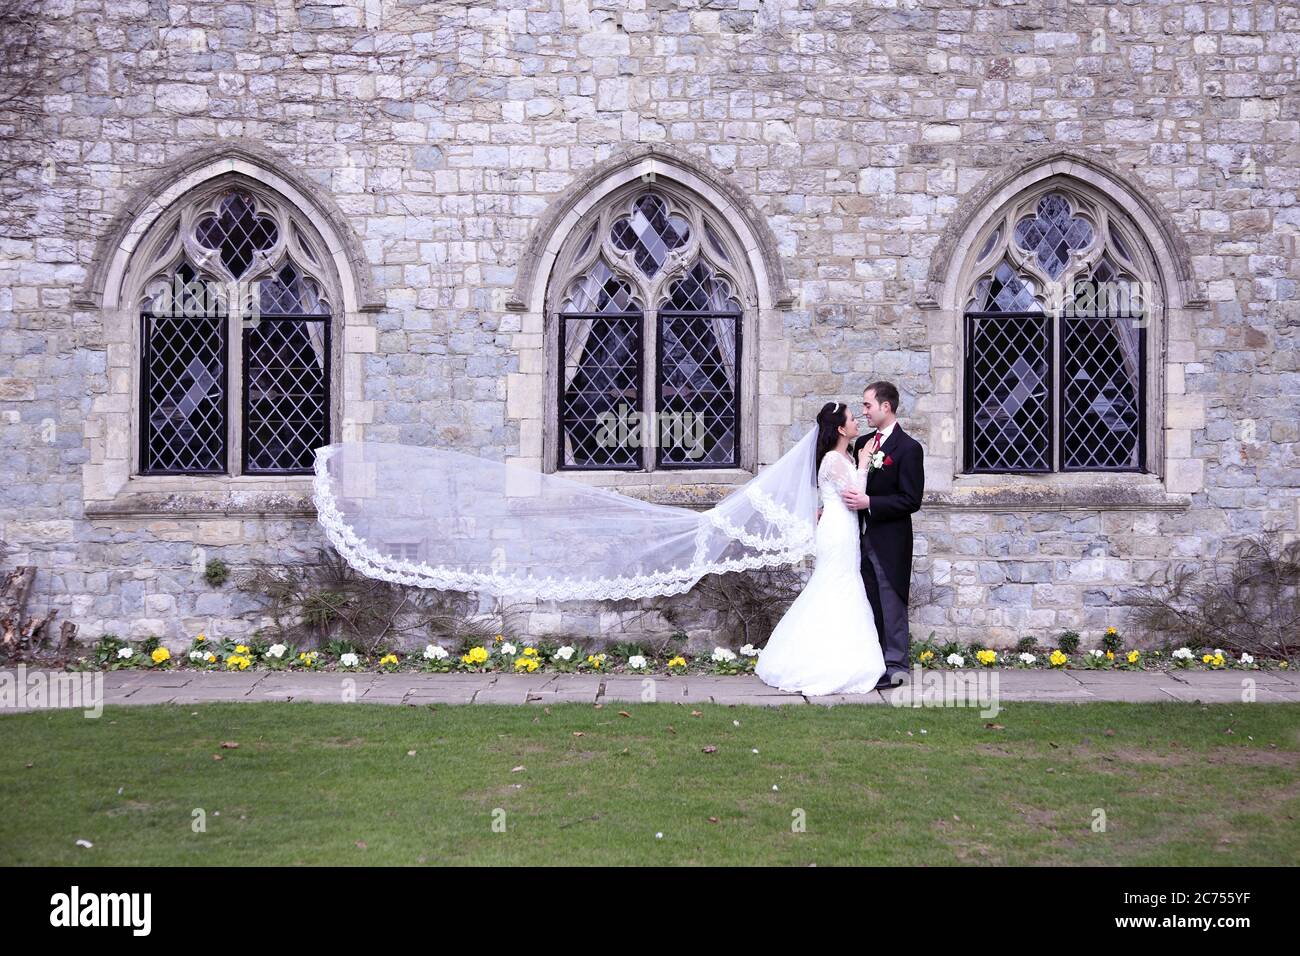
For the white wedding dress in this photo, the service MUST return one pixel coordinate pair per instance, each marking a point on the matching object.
(827, 642)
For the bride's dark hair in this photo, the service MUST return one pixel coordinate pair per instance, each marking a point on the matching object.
(829, 420)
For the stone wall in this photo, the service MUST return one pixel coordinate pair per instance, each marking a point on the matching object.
(859, 146)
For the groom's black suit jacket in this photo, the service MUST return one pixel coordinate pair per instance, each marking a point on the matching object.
(895, 491)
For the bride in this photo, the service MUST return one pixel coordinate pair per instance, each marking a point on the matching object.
(440, 519)
(827, 643)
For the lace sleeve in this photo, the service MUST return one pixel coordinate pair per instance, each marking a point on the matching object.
(835, 470)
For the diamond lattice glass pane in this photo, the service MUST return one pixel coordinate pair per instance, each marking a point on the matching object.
(650, 232)
(236, 232)
(1003, 291)
(184, 403)
(585, 247)
(989, 244)
(599, 291)
(698, 414)
(602, 372)
(1052, 233)
(1120, 244)
(1106, 292)
(715, 241)
(1100, 405)
(286, 401)
(700, 290)
(1008, 392)
(291, 293)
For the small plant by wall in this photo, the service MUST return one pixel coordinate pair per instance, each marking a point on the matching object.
(216, 572)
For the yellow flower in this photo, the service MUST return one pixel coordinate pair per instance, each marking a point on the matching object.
(1057, 658)
(1111, 630)
(595, 660)
(200, 639)
(678, 661)
(1133, 657)
(211, 658)
(1284, 665)
(986, 657)
(476, 655)
(1206, 658)
(387, 659)
(530, 652)
(161, 654)
(237, 661)
(526, 663)
(926, 656)
(241, 649)
(1110, 655)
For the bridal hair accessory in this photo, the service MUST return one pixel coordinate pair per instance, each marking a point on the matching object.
(435, 518)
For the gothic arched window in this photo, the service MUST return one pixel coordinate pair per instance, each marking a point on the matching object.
(1056, 317)
(234, 337)
(647, 299)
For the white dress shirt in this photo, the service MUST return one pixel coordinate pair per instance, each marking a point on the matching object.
(884, 437)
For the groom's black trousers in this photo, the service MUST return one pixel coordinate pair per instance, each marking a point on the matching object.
(888, 609)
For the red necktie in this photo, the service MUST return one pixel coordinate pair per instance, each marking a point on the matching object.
(877, 448)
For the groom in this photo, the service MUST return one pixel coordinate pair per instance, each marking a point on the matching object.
(893, 492)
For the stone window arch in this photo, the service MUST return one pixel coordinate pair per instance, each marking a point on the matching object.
(238, 307)
(650, 305)
(1058, 300)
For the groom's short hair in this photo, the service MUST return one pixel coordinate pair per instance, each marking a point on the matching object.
(885, 392)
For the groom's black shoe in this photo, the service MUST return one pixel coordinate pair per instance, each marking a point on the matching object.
(892, 678)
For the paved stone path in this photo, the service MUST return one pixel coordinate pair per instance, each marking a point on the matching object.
(1073, 686)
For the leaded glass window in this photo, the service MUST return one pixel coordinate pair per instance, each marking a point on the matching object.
(1055, 339)
(235, 337)
(649, 315)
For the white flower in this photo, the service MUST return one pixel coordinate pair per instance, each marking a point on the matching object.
(434, 652)
(956, 660)
(1027, 658)
(565, 653)
(1183, 652)
(349, 660)
(1096, 653)
(125, 652)
(197, 655)
(276, 650)
(722, 654)
(878, 460)
(749, 651)
(1247, 659)
(508, 649)
(636, 662)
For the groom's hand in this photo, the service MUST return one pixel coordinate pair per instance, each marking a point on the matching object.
(856, 500)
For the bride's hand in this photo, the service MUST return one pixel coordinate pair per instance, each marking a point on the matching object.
(855, 500)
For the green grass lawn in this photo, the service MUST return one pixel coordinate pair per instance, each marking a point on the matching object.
(329, 784)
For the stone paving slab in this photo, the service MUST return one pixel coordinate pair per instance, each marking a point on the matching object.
(418, 689)
(1226, 678)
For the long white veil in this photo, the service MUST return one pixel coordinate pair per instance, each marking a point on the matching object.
(441, 519)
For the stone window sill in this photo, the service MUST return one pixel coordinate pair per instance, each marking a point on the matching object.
(218, 497)
(691, 489)
(1081, 491)
(291, 497)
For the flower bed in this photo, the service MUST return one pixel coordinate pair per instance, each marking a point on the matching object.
(501, 655)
